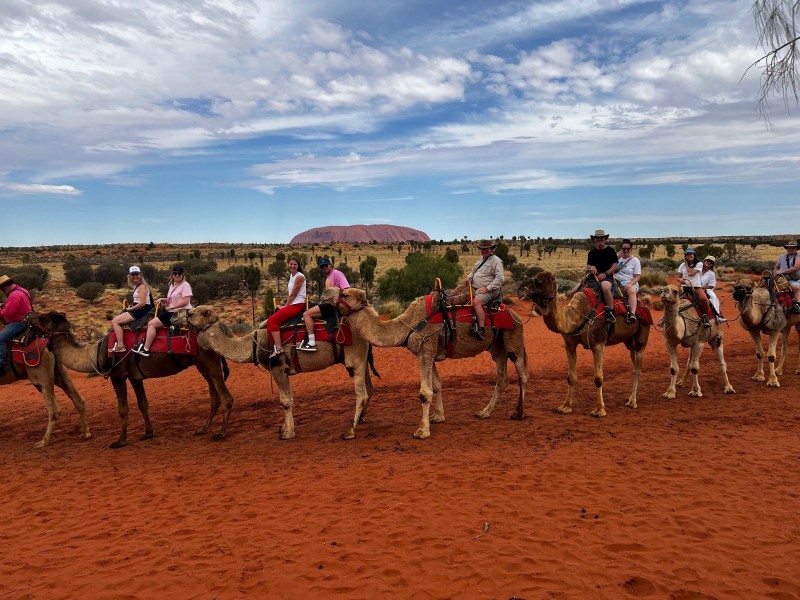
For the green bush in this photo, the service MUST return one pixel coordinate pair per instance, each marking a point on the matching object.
(78, 273)
(753, 266)
(90, 291)
(652, 277)
(417, 278)
(111, 273)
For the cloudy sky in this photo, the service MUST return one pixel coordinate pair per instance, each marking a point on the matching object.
(252, 120)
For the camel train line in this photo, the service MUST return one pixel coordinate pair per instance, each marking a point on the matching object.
(432, 331)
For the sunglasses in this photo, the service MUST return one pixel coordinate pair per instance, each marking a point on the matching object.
(626, 249)
(177, 273)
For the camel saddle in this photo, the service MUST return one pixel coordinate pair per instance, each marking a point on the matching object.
(293, 331)
(497, 316)
(780, 292)
(620, 308)
(26, 352)
(182, 342)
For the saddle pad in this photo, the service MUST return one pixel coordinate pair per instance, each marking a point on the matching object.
(499, 319)
(28, 355)
(642, 312)
(297, 333)
(785, 299)
(185, 342)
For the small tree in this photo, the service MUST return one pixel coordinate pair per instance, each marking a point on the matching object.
(90, 291)
(252, 279)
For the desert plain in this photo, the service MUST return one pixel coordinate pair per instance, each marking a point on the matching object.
(688, 498)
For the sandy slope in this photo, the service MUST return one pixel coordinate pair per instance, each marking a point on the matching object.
(687, 498)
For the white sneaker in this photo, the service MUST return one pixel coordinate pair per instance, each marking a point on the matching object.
(305, 346)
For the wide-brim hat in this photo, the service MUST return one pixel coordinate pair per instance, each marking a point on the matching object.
(711, 258)
(599, 233)
(790, 245)
(4, 279)
(483, 244)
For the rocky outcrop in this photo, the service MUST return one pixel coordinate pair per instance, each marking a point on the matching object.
(363, 234)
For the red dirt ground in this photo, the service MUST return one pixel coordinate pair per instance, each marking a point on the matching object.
(685, 498)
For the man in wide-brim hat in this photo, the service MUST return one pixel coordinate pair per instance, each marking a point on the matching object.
(788, 266)
(602, 262)
(486, 279)
(12, 312)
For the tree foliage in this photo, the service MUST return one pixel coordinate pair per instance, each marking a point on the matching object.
(418, 276)
(90, 291)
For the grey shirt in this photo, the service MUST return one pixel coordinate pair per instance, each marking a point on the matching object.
(489, 274)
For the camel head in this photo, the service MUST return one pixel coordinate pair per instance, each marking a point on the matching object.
(541, 290)
(670, 295)
(351, 300)
(198, 318)
(55, 321)
(329, 296)
(743, 288)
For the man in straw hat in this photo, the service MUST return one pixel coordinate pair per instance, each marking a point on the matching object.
(486, 279)
(12, 312)
(602, 262)
(788, 266)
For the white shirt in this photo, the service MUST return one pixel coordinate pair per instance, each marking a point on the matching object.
(627, 269)
(694, 280)
(301, 294)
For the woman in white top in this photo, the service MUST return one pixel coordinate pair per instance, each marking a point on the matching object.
(690, 272)
(627, 275)
(708, 280)
(295, 304)
(142, 303)
(179, 296)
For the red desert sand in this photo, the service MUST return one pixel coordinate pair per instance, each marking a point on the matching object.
(684, 498)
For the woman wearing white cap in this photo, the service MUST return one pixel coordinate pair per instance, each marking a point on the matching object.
(708, 281)
(142, 303)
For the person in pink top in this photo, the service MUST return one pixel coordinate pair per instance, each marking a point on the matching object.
(12, 313)
(333, 278)
(179, 296)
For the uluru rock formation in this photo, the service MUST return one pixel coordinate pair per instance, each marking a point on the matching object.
(363, 234)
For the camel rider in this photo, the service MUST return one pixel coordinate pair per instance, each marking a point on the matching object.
(486, 279)
(788, 266)
(602, 263)
(12, 313)
(333, 278)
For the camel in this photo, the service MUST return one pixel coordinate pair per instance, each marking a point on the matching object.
(759, 314)
(412, 330)
(47, 374)
(92, 358)
(215, 335)
(683, 327)
(574, 324)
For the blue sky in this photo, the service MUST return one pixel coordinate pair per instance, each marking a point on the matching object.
(250, 121)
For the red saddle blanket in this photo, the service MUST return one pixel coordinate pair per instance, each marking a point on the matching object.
(29, 354)
(296, 333)
(184, 342)
(785, 299)
(499, 319)
(642, 312)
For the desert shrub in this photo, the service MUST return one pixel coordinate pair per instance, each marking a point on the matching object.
(661, 264)
(269, 302)
(417, 278)
(652, 277)
(564, 285)
(451, 255)
(111, 273)
(753, 266)
(201, 292)
(519, 272)
(196, 266)
(391, 307)
(90, 291)
(78, 273)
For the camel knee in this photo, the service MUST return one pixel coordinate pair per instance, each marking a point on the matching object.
(771, 358)
(759, 356)
(598, 382)
(512, 356)
(673, 371)
(695, 370)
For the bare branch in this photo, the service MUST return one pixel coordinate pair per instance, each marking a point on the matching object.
(776, 23)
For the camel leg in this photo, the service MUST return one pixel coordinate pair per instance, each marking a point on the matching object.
(425, 394)
(121, 389)
(63, 381)
(694, 367)
(144, 408)
(772, 381)
(716, 344)
(600, 406)
(501, 370)
(572, 378)
(759, 376)
(363, 389)
(685, 373)
(225, 398)
(52, 413)
(287, 400)
(673, 371)
(214, 406)
(637, 356)
(438, 411)
(521, 366)
(784, 349)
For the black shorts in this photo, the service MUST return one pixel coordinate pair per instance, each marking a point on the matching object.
(140, 312)
(327, 310)
(165, 317)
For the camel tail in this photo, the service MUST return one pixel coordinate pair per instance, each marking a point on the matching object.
(371, 361)
(225, 369)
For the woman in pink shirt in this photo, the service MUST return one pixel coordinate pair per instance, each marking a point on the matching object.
(179, 296)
